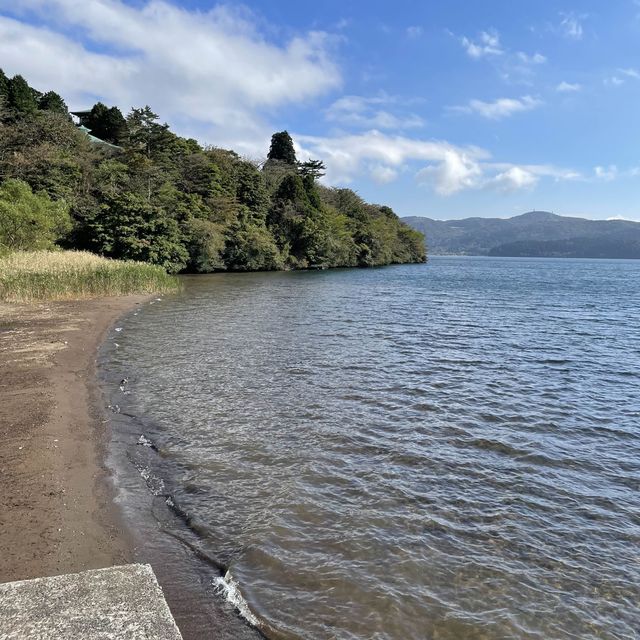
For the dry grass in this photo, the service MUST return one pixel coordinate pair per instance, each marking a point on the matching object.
(68, 275)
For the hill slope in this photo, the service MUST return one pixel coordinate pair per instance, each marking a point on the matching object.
(130, 188)
(536, 234)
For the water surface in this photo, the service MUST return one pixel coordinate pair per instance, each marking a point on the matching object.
(436, 451)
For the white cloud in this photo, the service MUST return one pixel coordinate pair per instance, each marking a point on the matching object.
(571, 25)
(443, 167)
(501, 108)
(487, 45)
(616, 81)
(414, 32)
(606, 173)
(517, 177)
(568, 87)
(365, 112)
(382, 174)
(454, 172)
(622, 75)
(514, 179)
(630, 73)
(536, 58)
(211, 72)
(381, 155)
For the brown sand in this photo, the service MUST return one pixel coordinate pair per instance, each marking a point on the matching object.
(56, 508)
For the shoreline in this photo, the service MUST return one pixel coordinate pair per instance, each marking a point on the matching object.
(160, 533)
(57, 503)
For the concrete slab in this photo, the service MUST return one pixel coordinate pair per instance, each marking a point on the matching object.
(123, 603)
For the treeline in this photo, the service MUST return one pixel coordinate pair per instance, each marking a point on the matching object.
(128, 187)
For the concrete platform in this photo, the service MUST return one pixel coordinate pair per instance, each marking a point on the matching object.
(123, 603)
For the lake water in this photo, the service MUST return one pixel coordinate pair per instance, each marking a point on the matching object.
(438, 451)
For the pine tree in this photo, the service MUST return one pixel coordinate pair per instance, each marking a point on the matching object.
(51, 101)
(282, 148)
(106, 123)
(21, 97)
(4, 85)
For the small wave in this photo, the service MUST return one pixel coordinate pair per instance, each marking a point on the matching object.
(499, 447)
(143, 441)
(228, 587)
(155, 484)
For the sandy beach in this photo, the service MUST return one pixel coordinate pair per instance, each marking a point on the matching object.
(56, 508)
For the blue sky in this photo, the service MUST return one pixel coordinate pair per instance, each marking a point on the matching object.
(446, 109)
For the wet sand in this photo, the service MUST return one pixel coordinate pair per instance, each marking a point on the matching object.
(56, 504)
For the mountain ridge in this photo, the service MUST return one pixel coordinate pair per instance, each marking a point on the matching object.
(530, 234)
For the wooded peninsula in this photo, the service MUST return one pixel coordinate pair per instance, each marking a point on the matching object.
(130, 188)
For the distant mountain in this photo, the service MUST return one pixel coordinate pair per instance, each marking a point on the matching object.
(534, 234)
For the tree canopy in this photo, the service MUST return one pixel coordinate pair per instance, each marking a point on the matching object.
(29, 220)
(282, 148)
(51, 101)
(168, 200)
(106, 123)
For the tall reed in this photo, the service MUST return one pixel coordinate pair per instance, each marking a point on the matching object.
(67, 275)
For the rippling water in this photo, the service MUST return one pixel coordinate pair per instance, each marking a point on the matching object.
(440, 451)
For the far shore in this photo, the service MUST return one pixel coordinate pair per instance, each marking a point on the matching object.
(57, 508)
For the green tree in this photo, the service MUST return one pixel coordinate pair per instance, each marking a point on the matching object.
(4, 85)
(51, 101)
(30, 220)
(251, 191)
(144, 130)
(313, 168)
(106, 123)
(129, 227)
(250, 247)
(165, 199)
(20, 97)
(206, 243)
(282, 149)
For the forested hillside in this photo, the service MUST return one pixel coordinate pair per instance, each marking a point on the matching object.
(534, 234)
(128, 187)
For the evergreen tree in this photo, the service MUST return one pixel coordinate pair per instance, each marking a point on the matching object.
(313, 168)
(282, 148)
(166, 200)
(21, 98)
(4, 85)
(51, 101)
(106, 123)
(144, 129)
(129, 227)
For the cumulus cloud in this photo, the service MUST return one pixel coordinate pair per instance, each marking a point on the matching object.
(501, 108)
(435, 164)
(383, 175)
(380, 155)
(514, 179)
(488, 44)
(215, 76)
(210, 71)
(518, 177)
(368, 112)
(568, 87)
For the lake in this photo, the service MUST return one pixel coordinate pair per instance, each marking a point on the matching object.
(440, 451)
